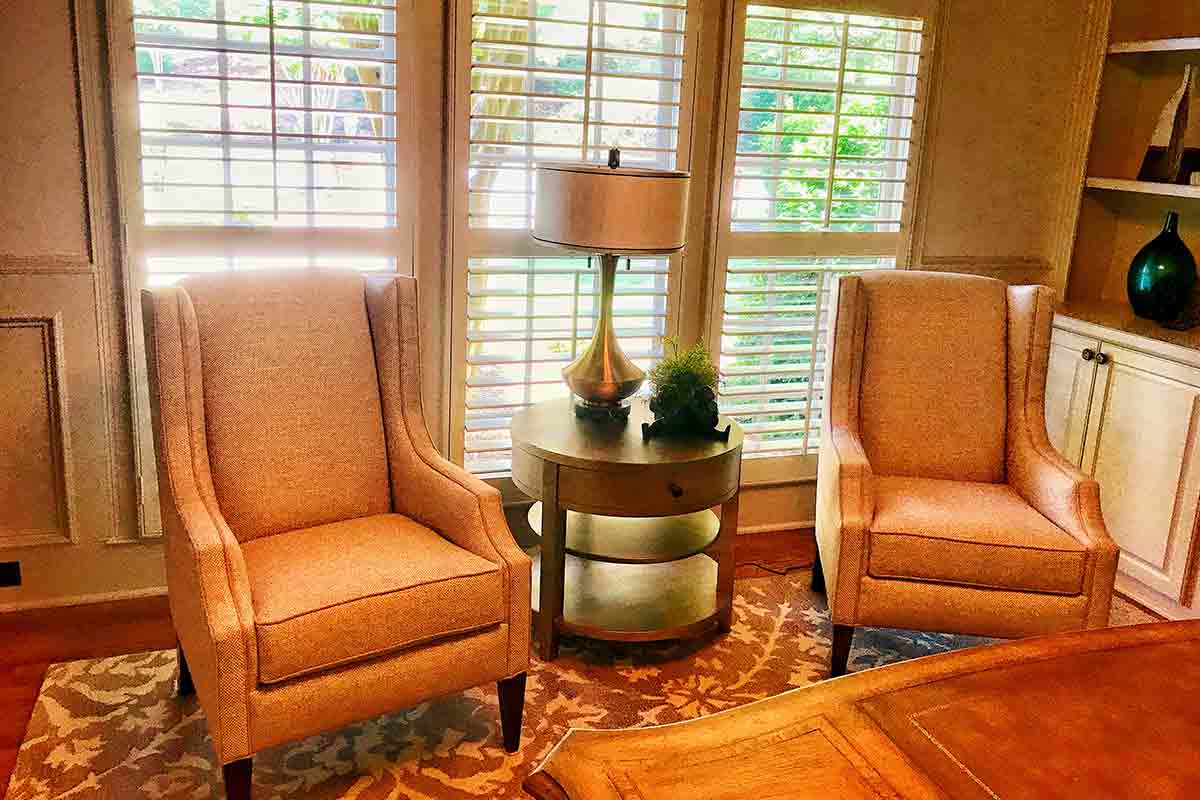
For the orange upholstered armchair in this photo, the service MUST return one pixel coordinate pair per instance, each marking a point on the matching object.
(324, 563)
(942, 505)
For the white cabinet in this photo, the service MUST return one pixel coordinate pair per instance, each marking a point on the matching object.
(1130, 417)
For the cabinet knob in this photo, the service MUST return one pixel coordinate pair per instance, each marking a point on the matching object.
(676, 490)
(1088, 354)
(1101, 359)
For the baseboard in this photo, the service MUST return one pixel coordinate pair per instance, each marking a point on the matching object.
(84, 599)
(1141, 595)
(776, 527)
(775, 551)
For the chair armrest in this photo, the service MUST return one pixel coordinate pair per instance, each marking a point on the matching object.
(469, 512)
(208, 588)
(1035, 470)
(1071, 500)
(486, 533)
(213, 618)
(1059, 491)
(845, 511)
(856, 479)
(425, 486)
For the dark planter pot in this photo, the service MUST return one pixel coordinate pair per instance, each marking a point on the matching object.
(1162, 275)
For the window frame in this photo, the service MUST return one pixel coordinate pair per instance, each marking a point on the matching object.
(729, 244)
(467, 242)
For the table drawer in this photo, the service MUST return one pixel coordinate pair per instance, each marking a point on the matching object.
(651, 491)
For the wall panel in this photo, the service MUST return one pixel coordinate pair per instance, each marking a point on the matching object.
(997, 137)
(35, 467)
(43, 219)
(68, 511)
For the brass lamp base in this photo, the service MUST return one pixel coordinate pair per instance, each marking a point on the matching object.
(602, 413)
(603, 377)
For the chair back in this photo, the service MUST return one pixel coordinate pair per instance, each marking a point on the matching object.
(292, 410)
(933, 352)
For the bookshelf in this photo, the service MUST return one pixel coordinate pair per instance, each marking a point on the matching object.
(1148, 45)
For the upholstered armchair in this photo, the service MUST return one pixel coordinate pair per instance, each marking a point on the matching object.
(324, 563)
(942, 505)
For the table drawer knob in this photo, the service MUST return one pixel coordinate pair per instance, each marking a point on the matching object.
(676, 490)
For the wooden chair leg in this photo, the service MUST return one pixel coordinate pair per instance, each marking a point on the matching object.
(186, 687)
(818, 576)
(512, 708)
(843, 635)
(237, 778)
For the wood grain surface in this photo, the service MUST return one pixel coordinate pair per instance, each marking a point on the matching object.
(1103, 713)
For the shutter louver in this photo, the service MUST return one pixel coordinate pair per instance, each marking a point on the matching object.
(527, 318)
(773, 348)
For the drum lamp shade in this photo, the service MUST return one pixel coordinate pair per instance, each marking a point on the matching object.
(601, 209)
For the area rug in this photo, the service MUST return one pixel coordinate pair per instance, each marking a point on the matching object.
(114, 727)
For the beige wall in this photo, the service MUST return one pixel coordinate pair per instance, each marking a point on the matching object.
(66, 488)
(998, 133)
(991, 171)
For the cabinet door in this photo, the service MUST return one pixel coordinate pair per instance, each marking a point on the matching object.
(1069, 380)
(1142, 450)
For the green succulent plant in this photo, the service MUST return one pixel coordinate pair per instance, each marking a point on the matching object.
(676, 381)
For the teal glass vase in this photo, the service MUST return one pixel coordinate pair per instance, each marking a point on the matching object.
(1162, 275)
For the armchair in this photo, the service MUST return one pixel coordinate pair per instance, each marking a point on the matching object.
(324, 563)
(941, 504)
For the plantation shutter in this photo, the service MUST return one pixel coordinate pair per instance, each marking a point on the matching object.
(820, 114)
(271, 133)
(542, 83)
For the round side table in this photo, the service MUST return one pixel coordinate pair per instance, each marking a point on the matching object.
(630, 548)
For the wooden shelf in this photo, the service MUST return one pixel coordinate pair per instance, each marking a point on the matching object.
(1177, 45)
(636, 602)
(635, 540)
(1119, 316)
(1145, 187)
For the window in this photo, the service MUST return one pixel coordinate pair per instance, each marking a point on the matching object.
(539, 82)
(271, 133)
(259, 134)
(819, 121)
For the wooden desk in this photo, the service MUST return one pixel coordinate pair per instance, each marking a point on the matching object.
(1112, 713)
(641, 556)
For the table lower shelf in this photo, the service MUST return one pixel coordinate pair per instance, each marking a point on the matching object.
(636, 602)
(635, 540)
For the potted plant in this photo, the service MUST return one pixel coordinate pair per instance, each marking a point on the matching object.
(684, 394)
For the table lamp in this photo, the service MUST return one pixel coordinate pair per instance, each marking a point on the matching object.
(612, 211)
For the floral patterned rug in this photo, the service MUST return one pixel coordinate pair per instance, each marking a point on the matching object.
(115, 728)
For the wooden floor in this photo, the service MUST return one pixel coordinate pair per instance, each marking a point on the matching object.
(33, 640)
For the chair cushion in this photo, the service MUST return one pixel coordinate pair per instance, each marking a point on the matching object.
(364, 587)
(971, 534)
